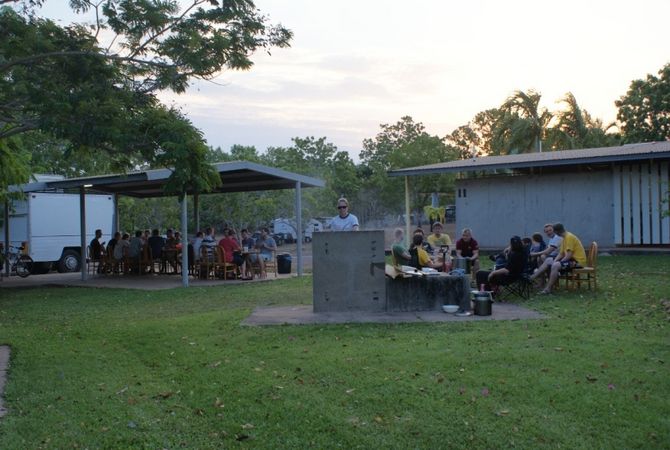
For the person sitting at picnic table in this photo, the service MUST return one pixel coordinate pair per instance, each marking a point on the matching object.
(97, 247)
(232, 252)
(570, 255)
(197, 242)
(135, 247)
(399, 253)
(515, 263)
(419, 257)
(209, 242)
(438, 239)
(112, 243)
(265, 246)
(468, 248)
(123, 243)
(156, 243)
(247, 240)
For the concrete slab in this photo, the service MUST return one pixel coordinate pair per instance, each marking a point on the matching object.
(304, 315)
(4, 365)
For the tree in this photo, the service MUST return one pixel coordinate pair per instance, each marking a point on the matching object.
(66, 83)
(574, 127)
(644, 112)
(403, 144)
(522, 125)
(476, 138)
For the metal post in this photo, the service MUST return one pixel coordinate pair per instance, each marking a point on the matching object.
(82, 226)
(116, 221)
(6, 236)
(184, 242)
(298, 215)
(407, 217)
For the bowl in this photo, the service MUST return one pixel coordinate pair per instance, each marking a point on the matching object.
(450, 308)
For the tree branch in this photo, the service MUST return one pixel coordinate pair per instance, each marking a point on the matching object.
(30, 59)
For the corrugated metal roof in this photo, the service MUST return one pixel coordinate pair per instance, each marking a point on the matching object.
(629, 152)
(236, 176)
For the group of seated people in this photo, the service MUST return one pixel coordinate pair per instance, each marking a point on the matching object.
(434, 251)
(243, 252)
(542, 261)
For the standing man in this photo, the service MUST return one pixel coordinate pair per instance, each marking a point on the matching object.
(570, 255)
(468, 248)
(344, 221)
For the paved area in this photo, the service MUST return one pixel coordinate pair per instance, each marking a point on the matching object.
(142, 282)
(4, 365)
(304, 314)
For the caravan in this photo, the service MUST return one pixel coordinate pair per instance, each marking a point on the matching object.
(49, 224)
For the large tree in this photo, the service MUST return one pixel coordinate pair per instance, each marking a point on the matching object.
(644, 112)
(403, 144)
(67, 83)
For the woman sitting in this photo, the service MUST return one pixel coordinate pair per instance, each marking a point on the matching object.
(516, 259)
(420, 257)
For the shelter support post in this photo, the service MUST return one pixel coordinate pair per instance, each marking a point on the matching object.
(196, 213)
(116, 222)
(83, 265)
(298, 215)
(6, 224)
(184, 247)
(407, 217)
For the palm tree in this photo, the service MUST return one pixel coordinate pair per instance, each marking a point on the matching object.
(575, 128)
(522, 124)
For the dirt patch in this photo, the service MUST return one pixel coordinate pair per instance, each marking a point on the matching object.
(4, 365)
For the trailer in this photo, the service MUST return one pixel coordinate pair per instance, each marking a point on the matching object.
(49, 225)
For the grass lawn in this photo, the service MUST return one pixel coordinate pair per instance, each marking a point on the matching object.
(98, 368)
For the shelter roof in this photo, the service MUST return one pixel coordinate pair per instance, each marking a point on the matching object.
(602, 155)
(236, 176)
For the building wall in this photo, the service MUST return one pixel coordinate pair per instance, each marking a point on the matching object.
(498, 207)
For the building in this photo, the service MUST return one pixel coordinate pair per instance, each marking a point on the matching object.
(616, 196)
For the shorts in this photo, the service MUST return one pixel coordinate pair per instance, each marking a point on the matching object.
(254, 257)
(567, 266)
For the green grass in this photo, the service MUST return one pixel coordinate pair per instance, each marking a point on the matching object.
(97, 368)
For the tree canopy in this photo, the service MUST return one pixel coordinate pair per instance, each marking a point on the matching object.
(644, 112)
(91, 95)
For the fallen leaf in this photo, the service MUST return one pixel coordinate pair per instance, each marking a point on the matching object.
(242, 437)
(591, 378)
(378, 419)
(485, 392)
(349, 391)
(247, 426)
(611, 387)
(503, 412)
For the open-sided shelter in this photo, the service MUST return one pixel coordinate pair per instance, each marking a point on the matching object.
(613, 195)
(236, 176)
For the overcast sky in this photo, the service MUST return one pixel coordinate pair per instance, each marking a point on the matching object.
(354, 65)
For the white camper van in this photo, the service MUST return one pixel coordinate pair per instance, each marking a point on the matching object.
(49, 223)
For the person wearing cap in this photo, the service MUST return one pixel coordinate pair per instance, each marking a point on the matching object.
(515, 264)
(344, 221)
(438, 238)
(570, 255)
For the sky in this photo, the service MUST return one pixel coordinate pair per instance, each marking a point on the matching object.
(354, 65)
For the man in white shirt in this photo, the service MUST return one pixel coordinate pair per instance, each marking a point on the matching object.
(548, 255)
(344, 221)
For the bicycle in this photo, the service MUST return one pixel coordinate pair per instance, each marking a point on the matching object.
(19, 263)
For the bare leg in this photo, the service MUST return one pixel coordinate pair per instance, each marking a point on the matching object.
(553, 276)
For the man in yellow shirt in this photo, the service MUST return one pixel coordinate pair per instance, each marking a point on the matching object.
(439, 239)
(570, 255)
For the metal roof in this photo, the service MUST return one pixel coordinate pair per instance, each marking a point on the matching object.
(629, 152)
(236, 176)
